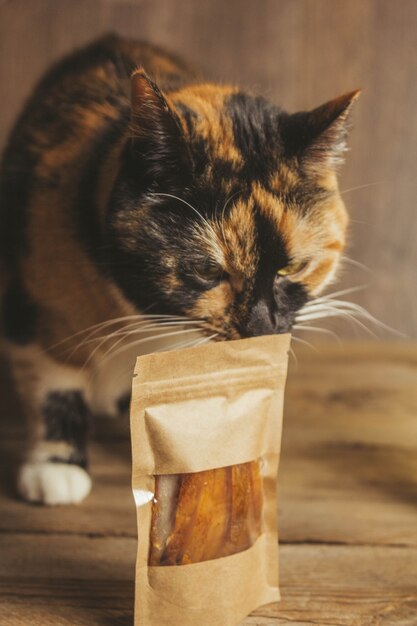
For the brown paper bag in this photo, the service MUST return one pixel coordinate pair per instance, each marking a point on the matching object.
(206, 434)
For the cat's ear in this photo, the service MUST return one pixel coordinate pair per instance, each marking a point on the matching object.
(156, 134)
(318, 137)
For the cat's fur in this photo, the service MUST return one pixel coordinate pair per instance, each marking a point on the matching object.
(183, 199)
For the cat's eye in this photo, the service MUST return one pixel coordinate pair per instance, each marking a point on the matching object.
(292, 269)
(209, 270)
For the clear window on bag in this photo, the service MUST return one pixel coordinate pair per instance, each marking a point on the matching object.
(206, 515)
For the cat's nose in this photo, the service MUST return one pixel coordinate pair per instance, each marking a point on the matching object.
(261, 321)
(266, 319)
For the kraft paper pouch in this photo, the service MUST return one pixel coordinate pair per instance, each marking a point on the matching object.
(206, 434)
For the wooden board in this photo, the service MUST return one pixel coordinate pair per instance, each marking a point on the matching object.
(44, 580)
(298, 53)
(348, 508)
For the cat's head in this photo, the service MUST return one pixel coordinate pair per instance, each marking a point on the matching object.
(226, 208)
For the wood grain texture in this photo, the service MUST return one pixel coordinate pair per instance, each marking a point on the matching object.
(299, 53)
(331, 585)
(347, 503)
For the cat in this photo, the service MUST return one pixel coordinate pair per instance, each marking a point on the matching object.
(144, 209)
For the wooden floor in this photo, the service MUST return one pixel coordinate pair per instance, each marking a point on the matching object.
(348, 508)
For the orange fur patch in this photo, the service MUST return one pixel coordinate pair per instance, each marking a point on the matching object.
(319, 237)
(236, 234)
(207, 101)
(284, 179)
(266, 202)
(215, 305)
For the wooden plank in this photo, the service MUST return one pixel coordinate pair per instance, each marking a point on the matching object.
(90, 580)
(349, 464)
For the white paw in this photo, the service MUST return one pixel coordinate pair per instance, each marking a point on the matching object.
(53, 483)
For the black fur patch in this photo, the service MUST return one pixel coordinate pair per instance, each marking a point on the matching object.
(274, 301)
(19, 314)
(142, 273)
(16, 184)
(86, 209)
(67, 418)
(76, 458)
(98, 53)
(123, 403)
(256, 133)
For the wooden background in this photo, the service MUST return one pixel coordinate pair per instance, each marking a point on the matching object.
(299, 53)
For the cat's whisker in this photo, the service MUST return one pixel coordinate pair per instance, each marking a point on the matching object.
(132, 329)
(110, 322)
(192, 344)
(86, 330)
(365, 186)
(337, 313)
(317, 329)
(326, 304)
(221, 221)
(322, 314)
(353, 307)
(107, 338)
(341, 292)
(294, 356)
(322, 307)
(323, 311)
(303, 341)
(365, 268)
(206, 222)
(328, 299)
(188, 344)
(121, 336)
(208, 339)
(142, 341)
(151, 323)
(335, 302)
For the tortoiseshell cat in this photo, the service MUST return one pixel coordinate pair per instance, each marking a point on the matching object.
(185, 205)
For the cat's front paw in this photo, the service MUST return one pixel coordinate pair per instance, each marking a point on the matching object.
(53, 483)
